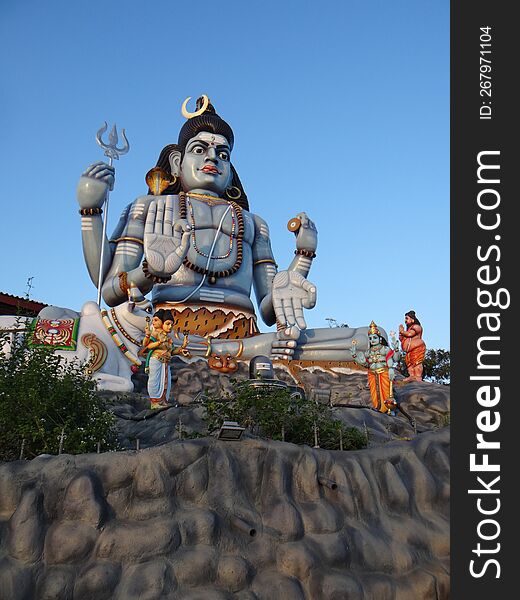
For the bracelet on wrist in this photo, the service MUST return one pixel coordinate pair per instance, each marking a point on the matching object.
(123, 282)
(84, 212)
(307, 253)
(152, 277)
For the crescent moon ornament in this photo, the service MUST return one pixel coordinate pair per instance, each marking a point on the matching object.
(190, 115)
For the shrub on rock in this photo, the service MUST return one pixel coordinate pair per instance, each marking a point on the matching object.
(46, 403)
(275, 414)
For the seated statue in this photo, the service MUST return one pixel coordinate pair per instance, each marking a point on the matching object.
(413, 345)
(194, 244)
(380, 360)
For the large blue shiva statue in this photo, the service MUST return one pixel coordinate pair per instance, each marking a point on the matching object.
(193, 243)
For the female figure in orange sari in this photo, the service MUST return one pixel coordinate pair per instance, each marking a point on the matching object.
(414, 346)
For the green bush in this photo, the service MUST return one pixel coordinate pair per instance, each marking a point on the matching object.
(437, 367)
(41, 396)
(272, 413)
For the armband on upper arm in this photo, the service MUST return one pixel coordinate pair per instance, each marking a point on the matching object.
(261, 247)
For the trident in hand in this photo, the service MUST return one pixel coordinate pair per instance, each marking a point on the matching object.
(113, 152)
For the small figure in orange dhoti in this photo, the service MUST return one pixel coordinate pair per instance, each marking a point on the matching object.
(380, 360)
(413, 345)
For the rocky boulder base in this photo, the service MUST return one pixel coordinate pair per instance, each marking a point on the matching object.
(214, 520)
(427, 403)
(205, 519)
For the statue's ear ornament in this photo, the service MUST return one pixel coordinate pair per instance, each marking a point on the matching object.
(233, 192)
(199, 111)
(158, 180)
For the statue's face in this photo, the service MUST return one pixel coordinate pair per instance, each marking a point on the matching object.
(157, 323)
(373, 338)
(167, 325)
(408, 320)
(206, 164)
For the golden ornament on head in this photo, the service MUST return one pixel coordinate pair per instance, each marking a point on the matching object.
(372, 328)
(190, 115)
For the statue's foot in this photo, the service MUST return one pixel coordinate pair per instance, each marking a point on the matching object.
(283, 349)
(158, 404)
(411, 379)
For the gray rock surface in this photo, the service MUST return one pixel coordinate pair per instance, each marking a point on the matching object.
(167, 522)
(206, 519)
(427, 403)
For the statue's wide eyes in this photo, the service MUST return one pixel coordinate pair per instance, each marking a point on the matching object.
(198, 150)
(223, 155)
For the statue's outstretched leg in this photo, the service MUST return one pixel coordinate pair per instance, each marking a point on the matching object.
(325, 344)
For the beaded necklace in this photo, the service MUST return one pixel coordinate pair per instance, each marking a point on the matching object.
(122, 329)
(375, 354)
(194, 236)
(119, 343)
(212, 275)
(206, 197)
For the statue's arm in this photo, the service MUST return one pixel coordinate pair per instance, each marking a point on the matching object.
(91, 194)
(127, 253)
(264, 270)
(306, 245)
(283, 296)
(409, 333)
(359, 358)
(393, 360)
(92, 239)
(123, 252)
(394, 345)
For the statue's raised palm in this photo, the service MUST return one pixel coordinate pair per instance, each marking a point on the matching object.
(166, 242)
(291, 294)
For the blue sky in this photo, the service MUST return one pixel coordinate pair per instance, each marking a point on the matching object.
(340, 109)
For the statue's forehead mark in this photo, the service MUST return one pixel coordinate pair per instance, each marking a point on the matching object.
(212, 138)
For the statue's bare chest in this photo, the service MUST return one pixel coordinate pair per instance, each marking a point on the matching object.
(220, 234)
(376, 357)
(208, 219)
